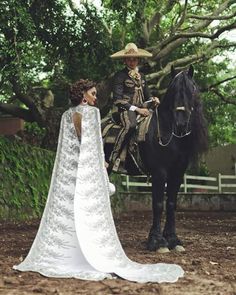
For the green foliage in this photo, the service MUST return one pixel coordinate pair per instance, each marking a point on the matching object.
(220, 115)
(203, 170)
(24, 179)
(90, 46)
(51, 44)
(34, 130)
(45, 39)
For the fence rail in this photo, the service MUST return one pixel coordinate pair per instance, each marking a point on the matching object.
(219, 184)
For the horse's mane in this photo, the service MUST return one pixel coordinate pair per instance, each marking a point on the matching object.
(182, 87)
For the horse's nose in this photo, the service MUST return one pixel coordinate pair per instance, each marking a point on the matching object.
(180, 119)
(180, 123)
(179, 128)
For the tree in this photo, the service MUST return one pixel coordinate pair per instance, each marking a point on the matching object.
(45, 45)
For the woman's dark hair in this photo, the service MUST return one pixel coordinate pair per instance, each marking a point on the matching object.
(77, 90)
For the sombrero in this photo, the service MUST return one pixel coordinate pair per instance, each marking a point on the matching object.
(131, 50)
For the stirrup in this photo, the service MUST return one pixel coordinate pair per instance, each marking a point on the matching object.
(116, 165)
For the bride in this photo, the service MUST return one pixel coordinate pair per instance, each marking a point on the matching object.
(77, 237)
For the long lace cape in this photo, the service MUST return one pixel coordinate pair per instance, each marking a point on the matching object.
(77, 235)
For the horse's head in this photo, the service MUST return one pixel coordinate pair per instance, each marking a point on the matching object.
(180, 99)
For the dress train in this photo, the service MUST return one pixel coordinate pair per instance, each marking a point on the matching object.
(77, 235)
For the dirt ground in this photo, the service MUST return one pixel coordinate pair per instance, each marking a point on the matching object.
(209, 260)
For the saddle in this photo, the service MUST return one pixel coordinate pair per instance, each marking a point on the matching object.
(110, 129)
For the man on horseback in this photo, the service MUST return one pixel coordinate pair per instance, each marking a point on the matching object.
(131, 96)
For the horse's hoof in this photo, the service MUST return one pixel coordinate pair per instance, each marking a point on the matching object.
(179, 248)
(163, 250)
(174, 243)
(151, 244)
(156, 241)
(152, 248)
(154, 244)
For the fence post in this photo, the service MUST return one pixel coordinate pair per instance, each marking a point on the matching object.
(219, 183)
(185, 183)
(127, 182)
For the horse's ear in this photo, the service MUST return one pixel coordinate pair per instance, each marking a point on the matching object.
(173, 72)
(190, 71)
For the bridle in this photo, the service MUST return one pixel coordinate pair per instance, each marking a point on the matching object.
(173, 134)
(187, 129)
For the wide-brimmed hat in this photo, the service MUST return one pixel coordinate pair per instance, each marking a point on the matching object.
(131, 50)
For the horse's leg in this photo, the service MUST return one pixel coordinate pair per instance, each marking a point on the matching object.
(108, 148)
(173, 184)
(155, 238)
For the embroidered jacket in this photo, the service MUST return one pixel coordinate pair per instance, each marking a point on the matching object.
(129, 90)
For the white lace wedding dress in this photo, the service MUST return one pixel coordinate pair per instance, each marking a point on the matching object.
(77, 237)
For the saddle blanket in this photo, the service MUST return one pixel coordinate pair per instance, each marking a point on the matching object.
(110, 130)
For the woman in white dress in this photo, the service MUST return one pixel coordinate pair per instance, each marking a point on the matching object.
(77, 237)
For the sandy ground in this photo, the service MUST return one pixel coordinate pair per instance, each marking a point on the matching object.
(209, 260)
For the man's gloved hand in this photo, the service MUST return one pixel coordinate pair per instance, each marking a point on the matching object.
(143, 112)
(151, 103)
(156, 100)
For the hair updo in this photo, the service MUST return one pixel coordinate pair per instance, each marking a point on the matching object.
(77, 90)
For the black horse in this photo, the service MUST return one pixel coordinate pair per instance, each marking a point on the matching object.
(177, 134)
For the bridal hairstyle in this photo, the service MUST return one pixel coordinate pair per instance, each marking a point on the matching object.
(77, 90)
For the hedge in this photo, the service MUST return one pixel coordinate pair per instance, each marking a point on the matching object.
(25, 173)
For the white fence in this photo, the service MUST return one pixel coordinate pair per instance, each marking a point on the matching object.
(192, 183)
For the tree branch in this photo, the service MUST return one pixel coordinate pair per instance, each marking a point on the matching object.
(73, 6)
(17, 112)
(178, 62)
(223, 29)
(153, 22)
(165, 47)
(210, 17)
(21, 96)
(217, 91)
(28, 101)
(182, 19)
(222, 97)
(148, 26)
(205, 89)
(188, 59)
(203, 35)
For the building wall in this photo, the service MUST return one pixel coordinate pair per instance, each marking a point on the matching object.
(186, 202)
(222, 160)
(10, 125)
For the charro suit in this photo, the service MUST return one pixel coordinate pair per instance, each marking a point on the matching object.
(130, 90)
